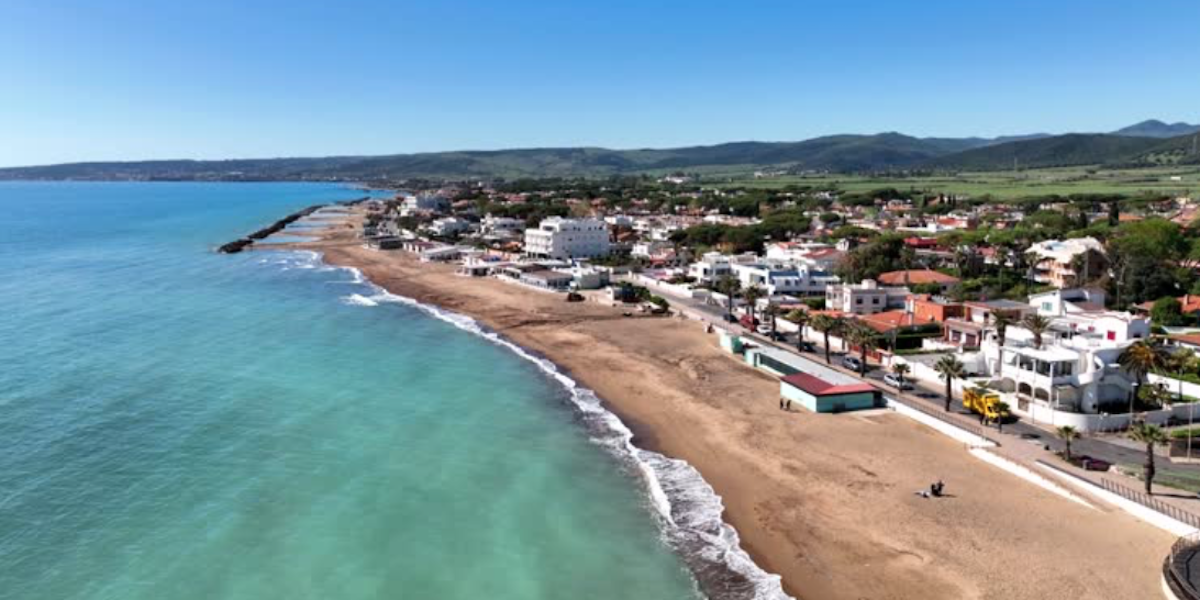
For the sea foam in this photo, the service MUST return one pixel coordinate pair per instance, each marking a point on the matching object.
(687, 508)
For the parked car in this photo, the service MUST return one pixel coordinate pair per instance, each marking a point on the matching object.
(1093, 464)
(763, 329)
(748, 322)
(851, 362)
(806, 347)
(895, 381)
(728, 318)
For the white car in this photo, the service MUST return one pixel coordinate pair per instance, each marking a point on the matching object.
(895, 381)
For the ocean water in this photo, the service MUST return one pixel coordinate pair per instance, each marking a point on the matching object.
(178, 424)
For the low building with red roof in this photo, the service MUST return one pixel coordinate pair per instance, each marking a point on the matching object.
(819, 395)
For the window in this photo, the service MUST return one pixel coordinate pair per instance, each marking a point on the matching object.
(1047, 306)
(1111, 335)
(858, 300)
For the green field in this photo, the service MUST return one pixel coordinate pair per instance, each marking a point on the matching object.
(999, 184)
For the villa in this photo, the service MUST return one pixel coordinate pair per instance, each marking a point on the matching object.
(1055, 262)
(1075, 368)
(864, 298)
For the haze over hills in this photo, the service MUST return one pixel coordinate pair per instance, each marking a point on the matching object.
(1143, 144)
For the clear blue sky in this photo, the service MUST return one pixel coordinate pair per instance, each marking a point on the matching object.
(118, 80)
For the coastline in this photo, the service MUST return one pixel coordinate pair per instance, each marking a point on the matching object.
(797, 514)
(699, 534)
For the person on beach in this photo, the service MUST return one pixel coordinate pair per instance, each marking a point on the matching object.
(781, 404)
(789, 405)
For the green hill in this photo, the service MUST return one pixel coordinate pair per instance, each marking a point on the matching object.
(837, 153)
(1056, 151)
(833, 153)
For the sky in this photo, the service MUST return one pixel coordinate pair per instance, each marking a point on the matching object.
(126, 80)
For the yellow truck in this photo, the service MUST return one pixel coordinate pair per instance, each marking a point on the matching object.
(985, 403)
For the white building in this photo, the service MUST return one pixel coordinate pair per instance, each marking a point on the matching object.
(494, 224)
(649, 248)
(556, 237)
(1055, 260)
(449, 226)
(778, 277)
(865, 298)
(713, 266)
(424, 203)
(1076, 368)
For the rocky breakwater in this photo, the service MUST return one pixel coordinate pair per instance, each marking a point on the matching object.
(240, 244)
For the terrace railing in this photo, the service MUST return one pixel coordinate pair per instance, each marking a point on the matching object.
(1155, 504)
(1177, 568)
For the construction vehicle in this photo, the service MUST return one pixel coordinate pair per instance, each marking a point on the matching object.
(984, 402)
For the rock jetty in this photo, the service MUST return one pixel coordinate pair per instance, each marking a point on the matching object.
(241, 243)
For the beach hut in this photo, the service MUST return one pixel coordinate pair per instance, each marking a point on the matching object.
(819, 395)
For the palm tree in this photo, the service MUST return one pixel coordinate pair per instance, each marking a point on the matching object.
(1140, 358)
(751, 295)
(950, 369)
(826, 325)
(840, 327)
(1067, 434)
(801, 319)
(1001, 321)
(900, 369)
(771, 312)
(865, 338)
(1150, 435)
(1038, 326)
(730, 286)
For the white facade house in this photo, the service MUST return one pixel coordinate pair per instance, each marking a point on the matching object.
(713, 266)
(494, 224)
(865, 298)
(649, 248)
(449, 226)
(778, 277)
(1076, 369)
(424, 203)
(557, 237)
(1055, 260)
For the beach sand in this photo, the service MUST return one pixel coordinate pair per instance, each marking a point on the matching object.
(826, 501)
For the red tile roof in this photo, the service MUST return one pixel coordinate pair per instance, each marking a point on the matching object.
(886, 321)
(916, 276)
(1190, 339)
(819, 387)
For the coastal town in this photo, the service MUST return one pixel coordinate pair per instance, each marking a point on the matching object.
(1041, 334)
(1023, 300)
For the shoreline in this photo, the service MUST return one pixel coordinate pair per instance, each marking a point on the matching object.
(721, 570)
(833, 516)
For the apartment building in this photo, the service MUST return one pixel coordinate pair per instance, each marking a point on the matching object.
(561, 238)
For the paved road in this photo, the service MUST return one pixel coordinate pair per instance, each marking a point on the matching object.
(1019, 432)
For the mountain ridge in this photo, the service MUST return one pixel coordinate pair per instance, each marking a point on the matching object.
(887, 151)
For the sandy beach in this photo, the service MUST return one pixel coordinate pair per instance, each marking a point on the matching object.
(826, 501)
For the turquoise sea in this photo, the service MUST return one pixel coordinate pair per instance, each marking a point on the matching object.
(179, 424)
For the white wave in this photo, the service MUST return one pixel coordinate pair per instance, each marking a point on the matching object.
(688, 508)
(359, 300)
